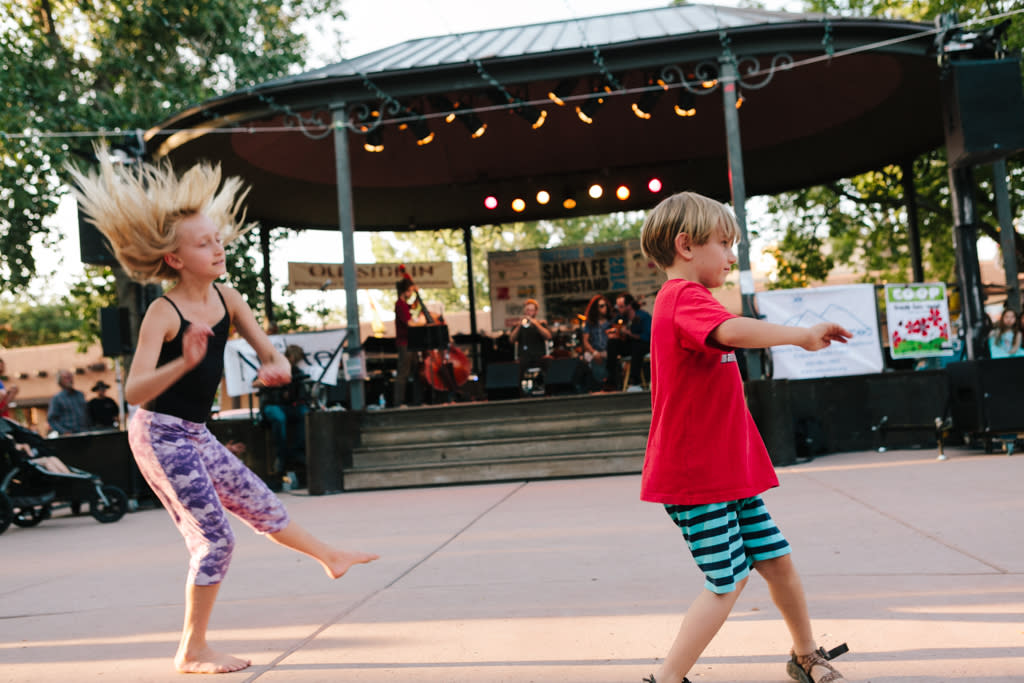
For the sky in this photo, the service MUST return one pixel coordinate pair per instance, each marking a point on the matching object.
(374, 24)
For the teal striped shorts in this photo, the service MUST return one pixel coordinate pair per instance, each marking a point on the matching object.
(726, 539)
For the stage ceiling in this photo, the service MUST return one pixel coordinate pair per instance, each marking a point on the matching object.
(842, 108)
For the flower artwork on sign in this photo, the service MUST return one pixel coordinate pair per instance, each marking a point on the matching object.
(918, 320)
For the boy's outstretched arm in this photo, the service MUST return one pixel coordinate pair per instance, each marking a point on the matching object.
(748, 333)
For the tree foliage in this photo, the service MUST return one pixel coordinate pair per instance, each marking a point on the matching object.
(862, 221)
(72, 68)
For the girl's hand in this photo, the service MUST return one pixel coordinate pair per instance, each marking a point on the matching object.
(275, 374)
(194, 343)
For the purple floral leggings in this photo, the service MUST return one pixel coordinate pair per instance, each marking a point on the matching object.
(197, 479)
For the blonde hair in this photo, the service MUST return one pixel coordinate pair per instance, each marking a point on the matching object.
(684, 212)
(138, 209)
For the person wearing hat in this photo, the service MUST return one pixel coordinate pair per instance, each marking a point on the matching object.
(103, 409)
(530, 336)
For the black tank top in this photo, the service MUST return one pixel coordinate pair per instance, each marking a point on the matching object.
(191, 397)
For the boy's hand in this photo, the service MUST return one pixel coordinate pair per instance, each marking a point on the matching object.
(822, 335)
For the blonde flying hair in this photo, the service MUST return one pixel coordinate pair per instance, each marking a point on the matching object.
(138, 208)
(684, 212)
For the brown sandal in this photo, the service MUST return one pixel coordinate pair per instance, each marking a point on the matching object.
(799, 667)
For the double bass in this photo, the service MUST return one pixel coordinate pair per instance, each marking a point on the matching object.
(444, 367)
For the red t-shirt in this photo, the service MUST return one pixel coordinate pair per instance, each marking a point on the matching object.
(703, 445)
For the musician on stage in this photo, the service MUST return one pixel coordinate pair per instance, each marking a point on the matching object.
(530, 336)
(284, 408)
(632, 340)
(407, 362)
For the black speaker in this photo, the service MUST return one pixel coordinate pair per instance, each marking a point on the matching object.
(502, 381)
(115, 331)
(563, 376)
(92, 245)
(983, 110)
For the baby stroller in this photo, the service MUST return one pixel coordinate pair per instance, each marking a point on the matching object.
(34, 482)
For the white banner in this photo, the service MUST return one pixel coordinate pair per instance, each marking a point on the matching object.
(324, 276)
(241, 363)
(852, 306)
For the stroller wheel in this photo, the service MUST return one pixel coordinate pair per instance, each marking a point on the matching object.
(6, 512)
(31, 516)
(110, 506)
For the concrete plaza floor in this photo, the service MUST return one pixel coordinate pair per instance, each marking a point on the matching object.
(918, 564)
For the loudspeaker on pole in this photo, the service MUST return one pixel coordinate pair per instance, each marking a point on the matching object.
(115, 331)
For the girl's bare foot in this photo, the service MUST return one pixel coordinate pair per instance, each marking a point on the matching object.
(339, 561)
(208, 661)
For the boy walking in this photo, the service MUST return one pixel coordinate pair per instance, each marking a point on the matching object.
(705, 460)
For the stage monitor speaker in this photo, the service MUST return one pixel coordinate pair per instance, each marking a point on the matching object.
(983, 111)
(93, 246)
(115, 331)
(503, 381)
(563, 376)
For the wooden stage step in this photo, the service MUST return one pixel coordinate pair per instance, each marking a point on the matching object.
(532, 438)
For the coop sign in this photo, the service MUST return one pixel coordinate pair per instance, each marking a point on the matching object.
(917, 319)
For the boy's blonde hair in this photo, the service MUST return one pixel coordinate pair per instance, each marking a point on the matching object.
(138, 209)
(684, 212)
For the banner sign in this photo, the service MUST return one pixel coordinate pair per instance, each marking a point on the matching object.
(563, 279)
(918, 320)
(852, 306)
(325, 276)
(241, 363)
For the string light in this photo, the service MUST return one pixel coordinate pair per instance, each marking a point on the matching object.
(595, 191)
(622, 192)
(491, 202)
(543, 197)
(518, 205)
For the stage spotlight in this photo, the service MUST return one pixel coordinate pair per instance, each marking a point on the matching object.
(622, 192)
(374, 141)
(518, 204)
(543, 197)
(569, 203)
(443, 104)
(474, 124)
(491, 202)
(420, 129)
(561, 91)
(645, 107)
(535, 117)
(654, 185)
(687, 104)
(587, 110)
(595, 191)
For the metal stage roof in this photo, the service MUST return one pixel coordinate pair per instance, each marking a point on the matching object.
(838, 111)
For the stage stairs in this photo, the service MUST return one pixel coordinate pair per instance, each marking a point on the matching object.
(530, 438)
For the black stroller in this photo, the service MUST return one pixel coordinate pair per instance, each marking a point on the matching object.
(34, 482)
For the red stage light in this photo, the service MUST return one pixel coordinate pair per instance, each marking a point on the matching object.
(491, 202)
(654, 185)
